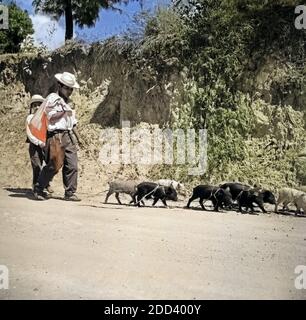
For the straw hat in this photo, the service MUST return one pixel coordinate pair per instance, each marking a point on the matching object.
(68, 79)
(37, 98)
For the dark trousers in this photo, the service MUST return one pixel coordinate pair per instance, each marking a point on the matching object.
(60, 152)
(37, 158)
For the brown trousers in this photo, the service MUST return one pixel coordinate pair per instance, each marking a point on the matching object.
(60, 152)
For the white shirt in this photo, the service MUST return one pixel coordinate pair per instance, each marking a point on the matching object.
(55, 104)
(29, 118)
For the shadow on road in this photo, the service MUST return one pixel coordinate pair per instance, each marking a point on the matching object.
(28, 194)
(20, 193)
(291, 213)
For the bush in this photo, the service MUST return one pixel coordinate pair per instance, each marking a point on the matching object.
(219, 44)
(20, 26)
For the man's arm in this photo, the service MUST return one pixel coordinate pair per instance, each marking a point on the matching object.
(56, 111)
(77, 135)
(56, 116)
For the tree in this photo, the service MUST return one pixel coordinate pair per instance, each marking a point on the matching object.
(20, 26)
(82, 12)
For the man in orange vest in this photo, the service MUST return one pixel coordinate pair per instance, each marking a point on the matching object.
(61, 148)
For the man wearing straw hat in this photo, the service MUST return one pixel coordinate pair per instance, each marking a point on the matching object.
(61, 149)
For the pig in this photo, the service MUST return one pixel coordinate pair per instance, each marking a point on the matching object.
(120, 186)
(217, 195)
(247, 197)
(268, 196)
(286, 196)
(301, 203)
(238, 188)
(235, 188)
(178, 186)
(147, 190)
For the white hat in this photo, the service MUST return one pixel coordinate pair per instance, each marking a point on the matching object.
(36, 98)
(68, 79)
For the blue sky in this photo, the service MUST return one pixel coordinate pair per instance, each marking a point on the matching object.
(52, 33)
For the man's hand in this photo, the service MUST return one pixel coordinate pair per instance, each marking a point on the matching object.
(78, 138)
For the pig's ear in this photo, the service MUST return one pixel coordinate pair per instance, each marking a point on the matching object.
(171, 184)
(228, 189)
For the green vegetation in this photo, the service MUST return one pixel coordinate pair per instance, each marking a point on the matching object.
(20, 26)
(222, 49)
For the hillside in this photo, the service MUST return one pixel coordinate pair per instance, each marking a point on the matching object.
(250, 99)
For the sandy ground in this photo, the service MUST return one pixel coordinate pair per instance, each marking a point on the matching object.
(88, 250)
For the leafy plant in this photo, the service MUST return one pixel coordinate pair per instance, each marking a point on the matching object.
(20, 26)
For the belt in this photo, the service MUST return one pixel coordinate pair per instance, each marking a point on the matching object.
(52, 133)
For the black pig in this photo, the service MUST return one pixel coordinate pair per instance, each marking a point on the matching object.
(217, 195)
(149, 190)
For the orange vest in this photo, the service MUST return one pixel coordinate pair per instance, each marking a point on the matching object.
(38, 126)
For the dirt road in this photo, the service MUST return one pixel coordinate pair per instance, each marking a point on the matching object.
(57, 249)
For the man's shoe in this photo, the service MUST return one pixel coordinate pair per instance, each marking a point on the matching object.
(71, 197)
(38, 194)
